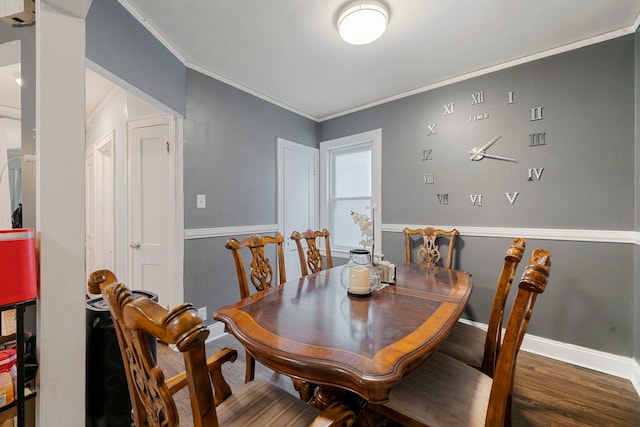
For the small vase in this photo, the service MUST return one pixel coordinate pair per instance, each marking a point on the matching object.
(359, 276)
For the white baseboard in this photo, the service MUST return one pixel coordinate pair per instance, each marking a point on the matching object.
(216, 330)
(607, 363)
(636, 376)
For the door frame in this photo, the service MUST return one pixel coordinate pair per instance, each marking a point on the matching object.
(101, 192)
(176, 195)
(282, 145)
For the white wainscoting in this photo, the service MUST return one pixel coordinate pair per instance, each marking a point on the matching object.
(205, 233)
(603, 236)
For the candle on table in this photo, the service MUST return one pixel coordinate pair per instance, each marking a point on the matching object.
(359, 279)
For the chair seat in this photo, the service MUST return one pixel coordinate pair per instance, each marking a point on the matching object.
(443, 392)
(465, 343)
(259, 403)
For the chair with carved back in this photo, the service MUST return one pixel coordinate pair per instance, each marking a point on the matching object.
(261, 272)
(444, 391)
(429, 248)
(474, 346)
(311, 260)
(212, 401)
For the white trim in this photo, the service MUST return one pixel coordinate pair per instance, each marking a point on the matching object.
(283, 144)
(177, 234)
(98, 108)
(216, 330)
(248, 90)
(205, 233)
(573, 235)
(611, 364)
(600, 361)
(635, 379)
(175, 257)
(523, 60)
(155, 33)
(128, 87)
(158, 35)
(374, 137)
(10, 112)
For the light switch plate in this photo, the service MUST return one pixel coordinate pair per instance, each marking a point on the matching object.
(201, 201)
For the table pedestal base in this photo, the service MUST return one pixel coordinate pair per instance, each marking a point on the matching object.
(326, 395)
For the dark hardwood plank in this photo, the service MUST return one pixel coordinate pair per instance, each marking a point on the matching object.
(547, 392)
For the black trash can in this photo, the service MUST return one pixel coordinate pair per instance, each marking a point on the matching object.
(107, 395)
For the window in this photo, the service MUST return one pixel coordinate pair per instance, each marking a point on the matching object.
(351, 182)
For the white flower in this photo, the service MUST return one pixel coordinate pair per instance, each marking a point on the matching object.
(365, 225)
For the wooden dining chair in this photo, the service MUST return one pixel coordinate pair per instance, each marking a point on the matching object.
(312, 260)
(429, 249)
(261, 272)
(446, 392)
(474, 346)
(212, 401)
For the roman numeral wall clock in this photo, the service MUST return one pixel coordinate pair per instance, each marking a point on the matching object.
(488, 112)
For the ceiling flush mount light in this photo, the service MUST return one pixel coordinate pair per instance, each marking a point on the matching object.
(362, 22)
(19, 81)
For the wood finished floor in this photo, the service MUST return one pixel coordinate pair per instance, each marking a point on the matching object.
(546, 392)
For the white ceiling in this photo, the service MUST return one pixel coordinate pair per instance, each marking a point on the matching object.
(289, 51)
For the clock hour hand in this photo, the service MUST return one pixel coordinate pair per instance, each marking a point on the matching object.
(480, 156)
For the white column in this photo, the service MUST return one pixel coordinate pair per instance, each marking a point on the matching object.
(60, 215)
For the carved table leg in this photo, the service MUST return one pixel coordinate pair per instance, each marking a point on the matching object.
(303, 388)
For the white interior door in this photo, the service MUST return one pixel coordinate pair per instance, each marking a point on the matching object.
(297, 196)
(151, 205)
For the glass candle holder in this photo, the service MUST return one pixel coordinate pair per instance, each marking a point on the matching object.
(359, 276)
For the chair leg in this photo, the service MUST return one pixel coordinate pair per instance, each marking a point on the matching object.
(250, 369)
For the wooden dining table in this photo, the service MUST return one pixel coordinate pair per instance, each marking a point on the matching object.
(313, 330)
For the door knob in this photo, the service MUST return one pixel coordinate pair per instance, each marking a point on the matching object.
(135, 245)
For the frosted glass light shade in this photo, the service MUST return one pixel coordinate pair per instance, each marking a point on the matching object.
(362, 22)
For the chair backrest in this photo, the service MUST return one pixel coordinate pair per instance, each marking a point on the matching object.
(429, 250)
(533, 282)
(151, 393)
(493, 340)
(313, 259)
(261, 272)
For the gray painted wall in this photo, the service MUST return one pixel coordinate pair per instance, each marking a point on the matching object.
(588, 180)
(587, 183)
(230, 156)
(119, 44)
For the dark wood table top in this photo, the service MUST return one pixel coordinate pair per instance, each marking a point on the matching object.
(311, 329)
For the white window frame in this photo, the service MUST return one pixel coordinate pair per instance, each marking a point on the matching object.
(373, 137)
